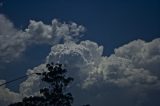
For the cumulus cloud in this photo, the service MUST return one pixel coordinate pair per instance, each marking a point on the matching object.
(86, 52)
(14, 41)
(54, 33)
(130, 71)
(134, 64)
(129, 66)
(99, 76)
(133, 69)
(32, 85)
(7, 96)
(142, 54)
(79, 58)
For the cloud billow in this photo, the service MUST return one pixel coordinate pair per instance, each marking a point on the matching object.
(127, 67)
(79, 58)
(135, 64)
(127, 74)
(54, 33)
(13, 41)
(98, 74)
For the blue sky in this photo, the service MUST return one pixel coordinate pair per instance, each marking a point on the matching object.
(111, 23)
(108, 22)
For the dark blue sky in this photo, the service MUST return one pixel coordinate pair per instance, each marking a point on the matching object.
(110, 23)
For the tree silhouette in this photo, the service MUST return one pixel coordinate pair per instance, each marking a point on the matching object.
(55, 94)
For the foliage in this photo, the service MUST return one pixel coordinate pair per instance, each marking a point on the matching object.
(55, 94)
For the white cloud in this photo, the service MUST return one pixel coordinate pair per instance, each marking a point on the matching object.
(129, 66)
(32, 85)
(132, 70)
(79, 58)
(14, 41)
(97, 73)
(76, 55)
(135, 64)
(54, 33)
(142, 54)
(7, 96)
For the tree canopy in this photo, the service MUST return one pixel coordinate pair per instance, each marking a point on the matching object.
(55, 94)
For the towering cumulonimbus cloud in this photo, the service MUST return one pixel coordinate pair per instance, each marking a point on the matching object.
(131, 71)
(96, 74)
(14, 41)
(78, 58)
(128, 68)
(133, 64)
